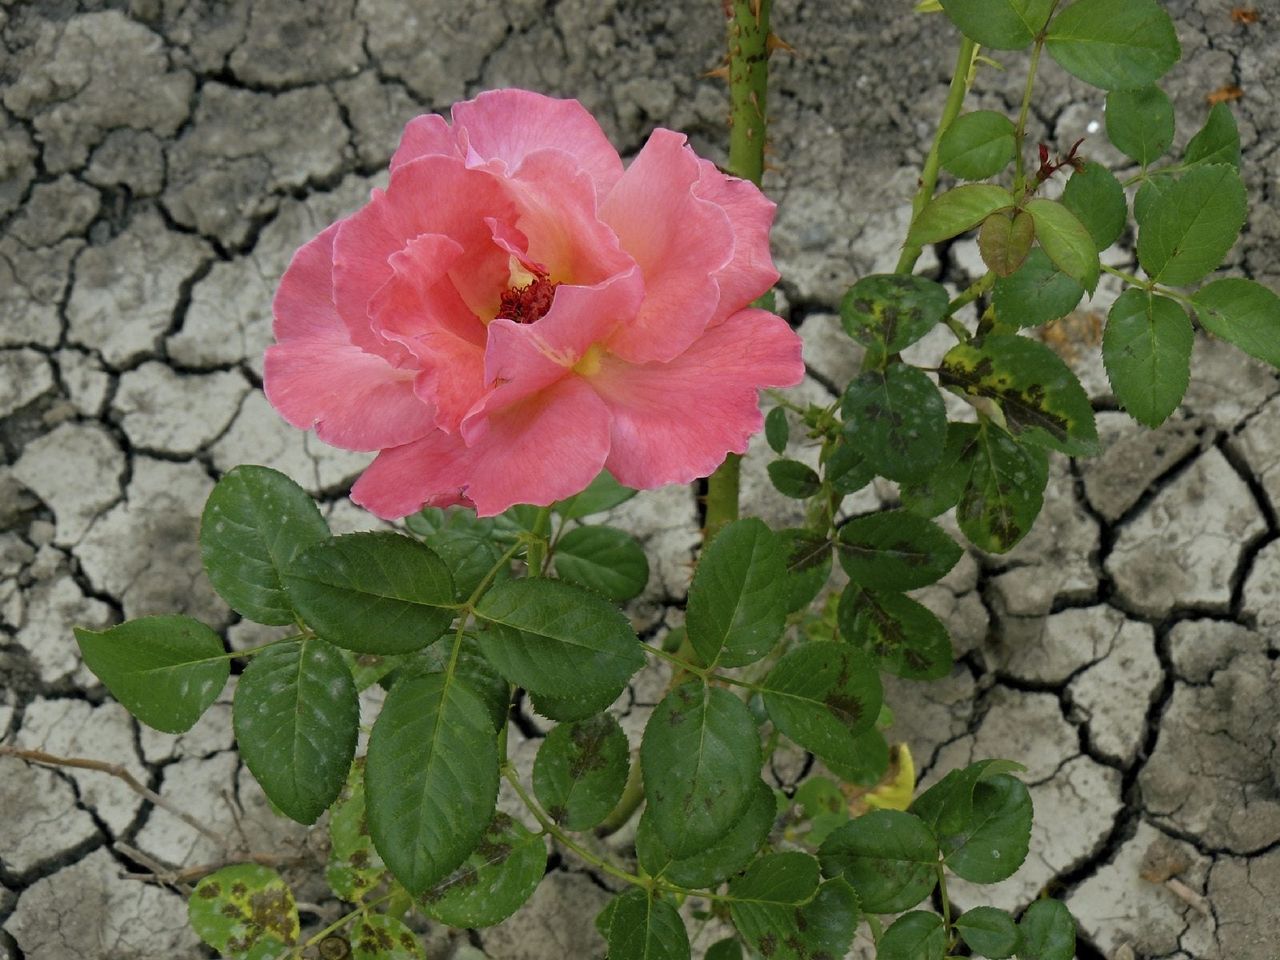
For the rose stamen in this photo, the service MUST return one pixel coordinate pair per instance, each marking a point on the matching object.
(528, 303)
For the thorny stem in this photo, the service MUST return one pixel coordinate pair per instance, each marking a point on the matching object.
(748, 88)
(929, 174)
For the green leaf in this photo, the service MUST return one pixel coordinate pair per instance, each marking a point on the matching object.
(1191, 226)
(889, 312)
(255, 522)
(241, 906)
(1095, 196)
(1146, 199)
(719, 861)
(962, 208)
(1041, 398)
(889, 858)
(296, 718)
(557, 638)
(977, 145)
(941, 490)
(372, 592)
(471, 666)
(572, 707)
(1037, 293)
(992, 845)
(871, 759)
(738, 598)
(469, 554)
(701, 761)
(808, 566)
(1066, 240)
(1114, 44)
(989, 932)
(1004, 492)
(794, 479)
(763, 905)
(999, 24)
(904, 636)
(580, 771)
(895, 550)
(1048, 932)
(1005, 241)
(1147, 353)
(605, 559)
(914, 936)
(823, 804)
(822, 695)
(431, 778)
(496, 879)
(354, 867)
(947, 806)
(728, 949)
(1244, 313)
(643, 927)
(166, 671)
(895, 418)
(1140, 123)
(776, 429)
(1218, 140)
(376, 936)
(846, 469)
(603, 493)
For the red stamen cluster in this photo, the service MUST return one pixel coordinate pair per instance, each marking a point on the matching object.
(528, 303)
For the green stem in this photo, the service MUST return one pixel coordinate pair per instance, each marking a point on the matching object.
(297, 952)
(628, 803)
(748, 91)
(874, 923)
(550, 827)
(1129, 278)
(946, 902)
(748, 87)
(1020, 133)
(536, 555)
(929, 174)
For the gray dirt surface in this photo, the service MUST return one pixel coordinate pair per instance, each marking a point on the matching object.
(160, 160)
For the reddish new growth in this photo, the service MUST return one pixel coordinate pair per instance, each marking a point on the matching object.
(530, 302)
(1049, 167)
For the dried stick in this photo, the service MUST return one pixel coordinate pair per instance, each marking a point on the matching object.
(119, 772)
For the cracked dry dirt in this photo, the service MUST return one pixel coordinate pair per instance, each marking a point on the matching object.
(161, 159)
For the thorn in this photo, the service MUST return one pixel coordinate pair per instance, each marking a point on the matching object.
(774, 42)
(719, 73)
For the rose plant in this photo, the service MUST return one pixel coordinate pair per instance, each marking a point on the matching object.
(527, 332)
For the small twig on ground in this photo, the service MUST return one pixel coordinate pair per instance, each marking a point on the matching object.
(120, 773)
(185, 876)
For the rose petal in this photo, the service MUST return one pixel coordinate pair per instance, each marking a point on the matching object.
(354, 400)
(545, 448)
(508, 125)
(751, 271)
(424, 136)
(558, 214)
(431, 195)
(522, 359)
(680, 242)
(317, 377)
(431, 471)
(674, 422)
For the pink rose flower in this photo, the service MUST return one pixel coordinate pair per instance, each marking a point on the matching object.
(517, 312)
